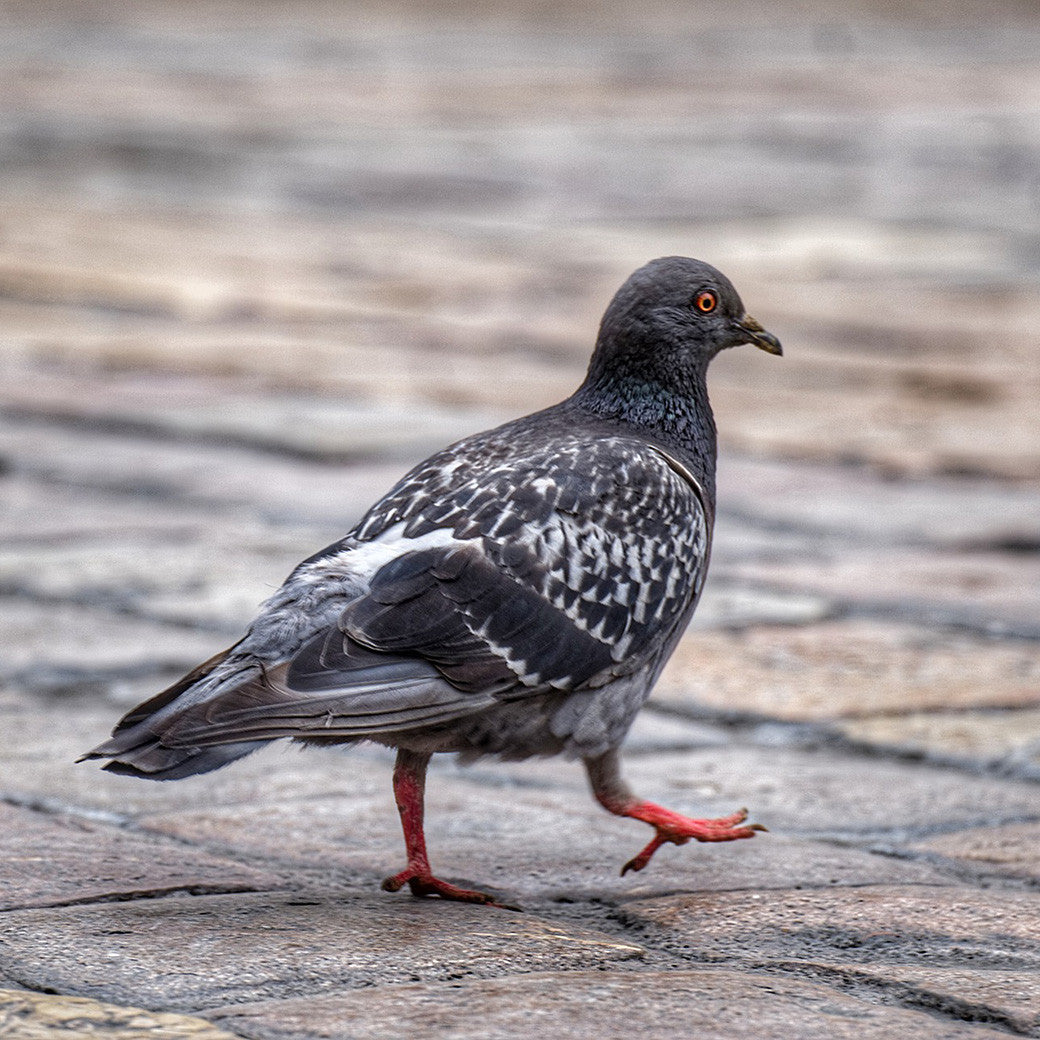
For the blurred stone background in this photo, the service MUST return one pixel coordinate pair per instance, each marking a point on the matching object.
(256, 258)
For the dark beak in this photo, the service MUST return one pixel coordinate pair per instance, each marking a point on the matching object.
(751, 332)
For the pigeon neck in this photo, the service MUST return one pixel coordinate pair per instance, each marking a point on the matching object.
(675, 414)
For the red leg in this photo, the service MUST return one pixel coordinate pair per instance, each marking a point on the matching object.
(409, 789)
(614, 795)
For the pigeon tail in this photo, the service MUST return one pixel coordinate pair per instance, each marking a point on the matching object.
(136, 747)
(148, 759)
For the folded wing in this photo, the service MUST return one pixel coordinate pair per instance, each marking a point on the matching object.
(509, 587)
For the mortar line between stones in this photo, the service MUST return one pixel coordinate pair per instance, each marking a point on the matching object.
(904, 994)
(136, 895)
(818, 734)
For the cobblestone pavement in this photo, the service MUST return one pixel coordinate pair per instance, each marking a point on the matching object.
(255, 259)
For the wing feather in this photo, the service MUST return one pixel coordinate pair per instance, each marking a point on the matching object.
(552, 570)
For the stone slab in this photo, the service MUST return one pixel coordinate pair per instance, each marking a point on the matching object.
(212, 572)
(993, 592)
(943, 941)
(1009, 1000)
(120, 448)
(52, 860)
(164, 474)
(49, 1016)
(40, 740)
(734, 605)
(526, 846)
(1009, 740)
(44, 514)
(183, 194)
(709, 1003)
(179, 408)
(847, 669)
(211, 951)
(327, 801)
(788, 495)
(1011, 851)
(324, 805)
(945, 926)
(819, 793)
(498, 825)
(468, 198)
(823, 273)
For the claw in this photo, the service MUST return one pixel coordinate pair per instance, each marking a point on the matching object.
(671, 828)
(636, 863)
(409, 786)
(423, 884)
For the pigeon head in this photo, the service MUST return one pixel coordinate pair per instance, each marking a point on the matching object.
(676, 314)
(650, 365)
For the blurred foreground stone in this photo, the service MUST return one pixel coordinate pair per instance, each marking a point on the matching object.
(46, 1016)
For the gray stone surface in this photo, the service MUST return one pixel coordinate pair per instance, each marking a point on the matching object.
(713, 1003)
(1010, 1000)
(830, 501)
(1002, 738)
(973, 951)
(992, 592)
(533, 847)
(66, 648)
(209, 951)
(55, 861)
(46, 737)
(1010, 851)
(823, 792)
(254, 260)
(204, 412)
(281, 488)
(847, 670)
(946, 926)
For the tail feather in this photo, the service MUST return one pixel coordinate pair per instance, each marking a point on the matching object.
(136, 749)
(233, 704)
(409, 695)
(164, 698)
(153, 761)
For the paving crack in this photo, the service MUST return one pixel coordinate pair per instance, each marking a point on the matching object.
(760, 730)
(53, 807)
(133, 895)
(63, 810)
(849, 979)
(901, 993)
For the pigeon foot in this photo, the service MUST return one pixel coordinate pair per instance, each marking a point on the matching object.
(423, 883)
(678, 830)
(409, 790)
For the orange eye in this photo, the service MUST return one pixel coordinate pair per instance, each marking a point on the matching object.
(706, 302)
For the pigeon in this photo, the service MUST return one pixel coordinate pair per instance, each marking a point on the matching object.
(516, 594)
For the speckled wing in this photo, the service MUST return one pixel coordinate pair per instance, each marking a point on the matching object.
(491, 574)
(559, 570)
